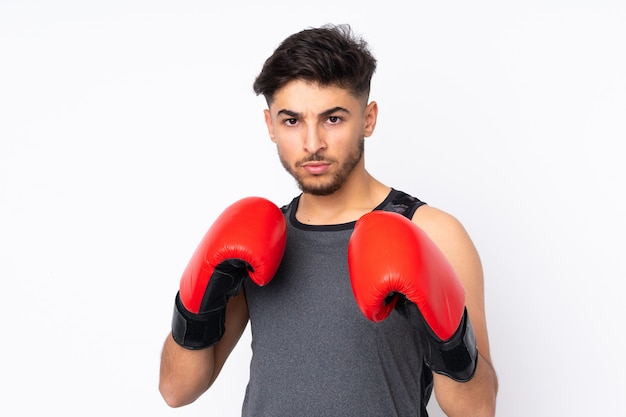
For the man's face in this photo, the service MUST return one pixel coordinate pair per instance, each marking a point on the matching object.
(319, 132)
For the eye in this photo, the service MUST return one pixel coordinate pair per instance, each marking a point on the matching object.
(334, 119)
(291, 121)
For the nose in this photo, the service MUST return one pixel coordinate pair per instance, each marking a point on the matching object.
(314, 140)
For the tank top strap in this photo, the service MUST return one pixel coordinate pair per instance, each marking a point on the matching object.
(400, 202)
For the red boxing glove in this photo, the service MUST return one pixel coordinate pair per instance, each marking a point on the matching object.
(394, 264)
(246, 241)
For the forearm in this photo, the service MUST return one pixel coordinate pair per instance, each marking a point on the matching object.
(475, 398)
(185, 374)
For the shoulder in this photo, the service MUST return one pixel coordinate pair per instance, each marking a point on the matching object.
(453, 240)
(439, 224)
(443, 228)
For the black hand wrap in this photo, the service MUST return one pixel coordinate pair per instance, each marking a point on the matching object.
(455, 357)
(206, 328)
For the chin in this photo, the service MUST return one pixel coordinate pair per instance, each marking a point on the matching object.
(319, 189)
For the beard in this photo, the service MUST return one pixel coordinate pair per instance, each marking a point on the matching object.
(320, 186)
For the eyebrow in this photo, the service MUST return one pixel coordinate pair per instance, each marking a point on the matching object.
(325, 113)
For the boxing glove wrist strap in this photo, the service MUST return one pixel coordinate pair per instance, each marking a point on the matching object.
(455, 357)
(197, 331)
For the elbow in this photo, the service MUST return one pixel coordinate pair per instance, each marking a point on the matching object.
(173, 397)
(173, 402)
(486, 406)
(177, 393)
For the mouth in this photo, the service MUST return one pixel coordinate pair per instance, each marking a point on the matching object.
(316, 167)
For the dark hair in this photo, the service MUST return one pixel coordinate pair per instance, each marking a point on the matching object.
(328, 55)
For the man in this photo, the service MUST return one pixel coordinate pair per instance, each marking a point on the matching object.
(362, 299)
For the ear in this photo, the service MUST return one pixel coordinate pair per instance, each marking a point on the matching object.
(370, 115)
(269, 124)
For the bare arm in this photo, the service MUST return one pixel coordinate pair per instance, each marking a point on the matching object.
(476, 397)
(186, 374)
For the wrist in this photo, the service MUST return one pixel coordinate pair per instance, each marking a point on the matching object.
(197, 331)
(454, 357)
(457, 356)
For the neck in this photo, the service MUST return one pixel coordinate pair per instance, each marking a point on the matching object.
(351, 201)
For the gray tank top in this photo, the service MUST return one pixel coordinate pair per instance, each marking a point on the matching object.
(313, 351)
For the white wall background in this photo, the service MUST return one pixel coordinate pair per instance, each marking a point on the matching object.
(127, 126)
